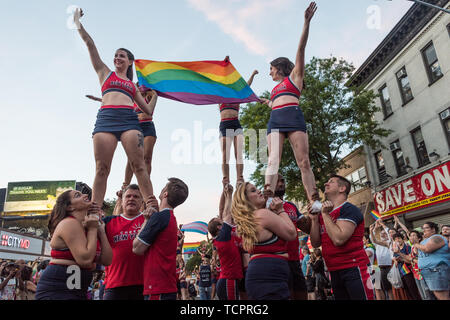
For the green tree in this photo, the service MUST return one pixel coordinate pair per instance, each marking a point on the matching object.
(108, 206)
(194, 261)
(338, 117)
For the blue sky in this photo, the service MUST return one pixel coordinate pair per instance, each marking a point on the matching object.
(46, 122)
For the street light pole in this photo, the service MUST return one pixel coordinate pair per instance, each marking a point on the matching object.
(431, 5)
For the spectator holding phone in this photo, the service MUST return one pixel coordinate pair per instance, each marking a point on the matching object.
(8, 281)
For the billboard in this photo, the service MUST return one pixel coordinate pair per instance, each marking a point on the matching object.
(35, 195)
(422, 190)
(16, 242)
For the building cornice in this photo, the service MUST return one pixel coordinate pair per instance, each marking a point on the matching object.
(410, 25)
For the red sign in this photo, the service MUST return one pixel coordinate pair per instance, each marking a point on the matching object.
(422, 190)
(10, 241)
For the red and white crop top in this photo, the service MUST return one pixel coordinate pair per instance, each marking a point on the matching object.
(114, 83)
(285, 88)
(274, 245)
(229, 106)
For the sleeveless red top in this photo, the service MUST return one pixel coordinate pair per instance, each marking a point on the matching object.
(65, 253)
(114, 83)
(274, 245)
(225, 106)
(285, 88)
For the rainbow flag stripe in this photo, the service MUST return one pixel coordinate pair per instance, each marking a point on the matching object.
(375, 214)
(195, 82)
(190, 248)
(196, 226)
(404, 270)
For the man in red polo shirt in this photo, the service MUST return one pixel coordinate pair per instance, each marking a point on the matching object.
(158, 241)
(123, 278)
(339, 229)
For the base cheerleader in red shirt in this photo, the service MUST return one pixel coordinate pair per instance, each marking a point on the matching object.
(339, 229)
(264, 235)
(79, 243)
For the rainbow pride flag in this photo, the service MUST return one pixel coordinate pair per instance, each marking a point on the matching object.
(375, 214)
(196, 226)
(190, 248)
(404, 270)
(195, 82)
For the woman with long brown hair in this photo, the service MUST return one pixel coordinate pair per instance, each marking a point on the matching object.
(78, 242)
(116, 119)
(264, 234)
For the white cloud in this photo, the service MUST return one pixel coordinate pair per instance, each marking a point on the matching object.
(236, 22)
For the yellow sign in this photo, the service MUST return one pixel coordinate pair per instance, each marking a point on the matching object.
(415, 205)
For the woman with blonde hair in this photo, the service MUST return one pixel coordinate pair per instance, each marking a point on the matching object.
(264, 234)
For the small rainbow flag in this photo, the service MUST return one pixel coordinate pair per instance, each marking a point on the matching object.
(195, 82)
(375, 214)
(196, 226)
(404, 270)
(190, 248)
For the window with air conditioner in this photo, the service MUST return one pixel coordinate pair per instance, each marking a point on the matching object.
(431, 62)
(379, 160)
(404, 85)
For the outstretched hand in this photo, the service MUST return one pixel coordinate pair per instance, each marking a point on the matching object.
(152, 206)
(228, 190)
(77, 15)
(309, 13)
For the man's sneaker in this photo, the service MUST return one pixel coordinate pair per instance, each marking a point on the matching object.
(316, 207)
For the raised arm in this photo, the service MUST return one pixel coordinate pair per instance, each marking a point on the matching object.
(106, 255)
(397, 222)
(118, 207)
(314, 232)
(228, 197)
(99, 66)
(250, 80)
(374, 238)
(298, 72)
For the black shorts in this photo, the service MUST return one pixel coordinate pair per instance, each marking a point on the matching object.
(310, 284)
(148, 129)
(124, 293)
(296, 278)
(385, 284)
(230, 128)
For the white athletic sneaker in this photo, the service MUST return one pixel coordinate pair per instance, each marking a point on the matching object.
(316, 207)
(269, 201)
